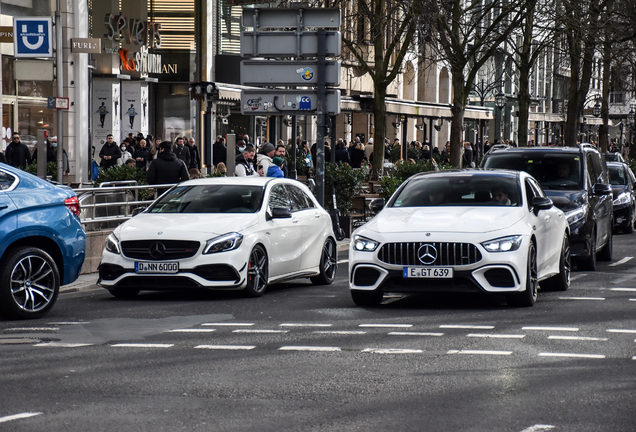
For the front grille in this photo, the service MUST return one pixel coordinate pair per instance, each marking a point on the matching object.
(110, 271)
(501, 278)
(365, 276)
(157, 282)
(159, 250)
(216, 272)
(448, 254)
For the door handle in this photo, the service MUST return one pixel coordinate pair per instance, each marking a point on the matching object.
(316, 215)
(294, 220)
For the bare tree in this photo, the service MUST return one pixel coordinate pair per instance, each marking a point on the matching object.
(468, 34)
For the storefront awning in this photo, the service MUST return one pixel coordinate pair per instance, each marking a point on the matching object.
(591, 120)
(552, 118)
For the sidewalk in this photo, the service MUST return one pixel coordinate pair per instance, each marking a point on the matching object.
(85, 281)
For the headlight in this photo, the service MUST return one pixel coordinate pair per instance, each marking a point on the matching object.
(223, 243)
(504, 244)
(576, 215)
(112, 244)
(364, 244)
(622, 199)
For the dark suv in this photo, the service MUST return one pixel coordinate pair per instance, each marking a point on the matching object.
(577, 181)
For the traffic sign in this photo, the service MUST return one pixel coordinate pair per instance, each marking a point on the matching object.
(32, 36)
(287, 102)
(288, 44)
(288, 73)
(286, 18)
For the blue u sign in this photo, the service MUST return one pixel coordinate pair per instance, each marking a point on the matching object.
(32, 37)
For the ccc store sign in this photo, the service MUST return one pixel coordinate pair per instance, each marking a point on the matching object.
(33, 37)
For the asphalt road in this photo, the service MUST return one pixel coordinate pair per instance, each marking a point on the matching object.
(305, 358)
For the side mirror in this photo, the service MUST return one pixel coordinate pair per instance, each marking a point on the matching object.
(281, 213)
(376, 205)
(602, 189)
(138, 210)
(541, 203)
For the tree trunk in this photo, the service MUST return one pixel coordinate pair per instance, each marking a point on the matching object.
(379, 127)
(459, 105)
(603, 129)
(524, 104)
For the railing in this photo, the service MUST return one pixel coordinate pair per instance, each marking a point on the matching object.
(112, 203)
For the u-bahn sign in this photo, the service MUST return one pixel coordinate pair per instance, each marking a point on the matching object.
(287, 102)
(288, 73)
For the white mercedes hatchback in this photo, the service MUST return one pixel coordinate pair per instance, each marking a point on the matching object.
(232, 233)
(462, 231)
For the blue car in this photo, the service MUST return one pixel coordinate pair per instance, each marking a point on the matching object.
(42, 243)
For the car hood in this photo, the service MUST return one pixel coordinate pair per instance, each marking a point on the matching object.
(618, 189)
(445, 219)
(567, 200)
(184, 226)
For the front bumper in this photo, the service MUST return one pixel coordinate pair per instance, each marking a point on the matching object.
(622, 215)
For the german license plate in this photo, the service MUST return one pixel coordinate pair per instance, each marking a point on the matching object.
(428, 272)
(156, 267)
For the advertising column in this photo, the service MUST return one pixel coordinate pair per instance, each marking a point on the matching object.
(134, 108)
(106, 111)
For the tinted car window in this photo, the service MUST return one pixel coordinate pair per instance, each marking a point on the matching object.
(211, 199)
(299, 200)
(459, 191)
(6, 180)
(617, 175)
(552, 171)
(278, 198)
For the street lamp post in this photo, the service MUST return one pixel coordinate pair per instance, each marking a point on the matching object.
(483, 90)
(500, 102)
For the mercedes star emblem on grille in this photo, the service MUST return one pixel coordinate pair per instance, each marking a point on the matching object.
(427, 254)
(157, 250)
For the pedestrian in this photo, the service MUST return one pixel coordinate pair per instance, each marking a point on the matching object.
(50, 152)
(244, 165)
(281, 152)
(239, 147)
(264, 158)
(109, 153)
(467, 156)
(142, 156)
(125, 154)
(65, 164)
(220, 169)
(219, 151)
(154, 149)
(182, 152)
(368, 149)
(17, 153)
(166, 169)
(342, 155)
(357, 155)
(195, 156)
(194, 173)
(274, 170)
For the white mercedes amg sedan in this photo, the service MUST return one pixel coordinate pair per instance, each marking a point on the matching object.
(232, 233)
(462, 231)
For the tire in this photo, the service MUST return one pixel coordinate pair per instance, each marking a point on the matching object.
(529, 296)
(589, 263)
(328, 264)
(560, 281)
(367, 298)
(605, 254)
(257, 272)
(124, 293)
(30, 283)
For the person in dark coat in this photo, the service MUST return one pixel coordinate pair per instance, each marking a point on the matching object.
(17, 153)
(357, 155)
(342, 155)
(50, 153)
(219, 151)
(195, 158)
(182, 152)
(166, 169)
(109, 153)
(142, 155)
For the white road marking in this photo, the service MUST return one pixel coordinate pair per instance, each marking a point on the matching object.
(622, 280)
(598, 356)
(259, 331)
(392, 351)
(343, 261)
(192, 330)
(386, 325)
(623, 261)
(69, 323)
(415, 334)
(582, 298)
(341, 332)
(226, 347)
(31, 329)
(572, 329)
(486, 352)
(134, 345)
(62, 344)
(621, 331)
(474, 327)
(496, 336)
(308, 348)
(581, 338)
(538, 427)
(578, 276)
(18, 416)
(229, 324)
(623, 289)
(632, 299)
(304, 325)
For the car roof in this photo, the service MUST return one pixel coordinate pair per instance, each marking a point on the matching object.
(543, 149)
(616, 164)
(249, 181)
(474, 171)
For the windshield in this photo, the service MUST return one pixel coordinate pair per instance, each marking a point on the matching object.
(553, 171)
(210, 199)
(471, 190)
(617, 175)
